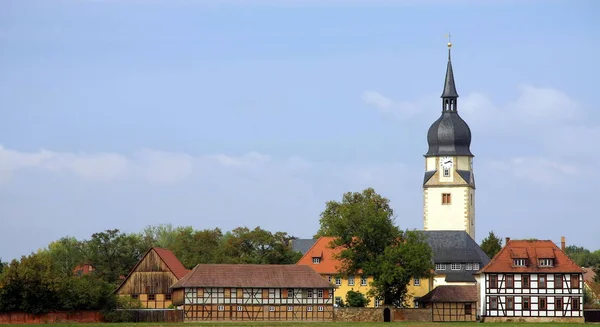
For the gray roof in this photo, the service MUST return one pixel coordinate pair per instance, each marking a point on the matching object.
(449, 135)
(461, 276)
(455, 246)
(303, 244)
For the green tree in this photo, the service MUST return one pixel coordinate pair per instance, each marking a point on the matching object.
(356, 299)
(258, 246)
(363, 227)
(113, 253)
(2, 265)
(66, 253)
(582, 256)
(194, 247)
(491, 244)
(163, 235)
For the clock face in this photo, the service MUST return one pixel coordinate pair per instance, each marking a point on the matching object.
(446, 162)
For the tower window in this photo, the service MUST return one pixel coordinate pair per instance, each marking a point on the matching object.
(446, 172)
(446, 198)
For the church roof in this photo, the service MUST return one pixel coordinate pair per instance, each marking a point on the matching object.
(454, 246)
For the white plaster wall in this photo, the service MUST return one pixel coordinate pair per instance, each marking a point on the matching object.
(440, 216)
(430, 163)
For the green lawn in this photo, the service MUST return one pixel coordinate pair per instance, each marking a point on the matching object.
(311, 324)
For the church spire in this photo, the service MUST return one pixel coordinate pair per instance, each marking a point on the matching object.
(449, 95)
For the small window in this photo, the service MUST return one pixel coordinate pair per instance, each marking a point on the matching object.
(290, 308)
(329, 278)
(525, 281)
(558, 281)
(316, 261)
(493, 302)
(320, 293)
(309, 308)
(416, 304)
(233, 293)
(271, 308)
(377, 303)
(338, 300)
(546, 262)
(417, 282)
(134, 296)
(350, 280)
(541, 281)
(475, 265)
(519, 262)
(574, 304)
(338, 281)
(510, 281)
(493, 281)
(574, 281)
(290, 293)
(558, 304)
(455, 266)
(446, 198)
(168, 297)
(309, 293)
(469, 266)
(467, 308)
(220, 308)
(542, 303)
(320, 308)
(446, 172)
(363, 281)
(151, 297)
(510, 303)
(525, 303)
(239, 308)
(440, 266)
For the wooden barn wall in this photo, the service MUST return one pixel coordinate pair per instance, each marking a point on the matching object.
(151, 276)
(452, 312)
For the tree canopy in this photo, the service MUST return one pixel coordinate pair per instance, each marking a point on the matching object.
(363, 225)
(582, 256)
(491, 245)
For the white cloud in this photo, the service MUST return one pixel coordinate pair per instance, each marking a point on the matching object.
(400, 110)
(539, 170)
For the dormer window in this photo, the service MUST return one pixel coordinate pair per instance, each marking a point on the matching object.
(519, 262)
(546, 263)
(316, 260)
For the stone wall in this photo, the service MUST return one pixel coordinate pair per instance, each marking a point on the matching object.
(376, 314)
(51, 317)
(535, 319)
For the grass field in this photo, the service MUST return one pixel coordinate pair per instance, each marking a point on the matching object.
(313, 324)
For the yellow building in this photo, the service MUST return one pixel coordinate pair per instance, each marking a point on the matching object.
(149, 281)
(321, 258)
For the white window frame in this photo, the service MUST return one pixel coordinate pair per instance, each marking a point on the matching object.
(475, 265)
(469, 266)
(350, 280)
(316, 260)
(446, 172)
(363, 281)
(320, 308)
(519, 262)
(309, 308)
(440, 266)
(290, 308)
(320, 293)
(417, 281)
(338, 281)
(546, 262)
(271, 309)
(290, 293)
(221, 308)
(239, 308)
(309, 293)
(455, 266)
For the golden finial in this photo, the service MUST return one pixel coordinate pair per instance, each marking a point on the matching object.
(449, 40)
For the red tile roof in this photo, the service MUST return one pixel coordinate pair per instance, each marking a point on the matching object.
(172, 262)
(257, 276)
(451, 293)
(321, 249)
(531, 250)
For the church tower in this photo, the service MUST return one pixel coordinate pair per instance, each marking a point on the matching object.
(449, 184)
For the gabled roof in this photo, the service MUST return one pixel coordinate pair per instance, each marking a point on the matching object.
(451, 293)
(257, 276)
(170, 260)
(302, 245)
(532, 250)
(454, 246)
(327, 263)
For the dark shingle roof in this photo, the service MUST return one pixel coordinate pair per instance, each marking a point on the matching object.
(455, 246)
(451, 293)
(460, 276)
(258, 276)
(303, 244)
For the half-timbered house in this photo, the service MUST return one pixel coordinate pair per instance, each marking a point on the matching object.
(150, 279)
(452, 303)
(254, 292)
(531, 280)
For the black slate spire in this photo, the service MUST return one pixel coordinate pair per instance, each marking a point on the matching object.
(449, 86)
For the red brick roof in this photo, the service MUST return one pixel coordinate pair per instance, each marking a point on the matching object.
(532, 250)
(172, 262)
(321, 249)
(451, 293)
(257, 276)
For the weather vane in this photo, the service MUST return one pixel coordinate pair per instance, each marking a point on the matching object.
(449, 36)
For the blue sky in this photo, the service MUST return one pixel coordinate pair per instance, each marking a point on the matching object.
(121, 114)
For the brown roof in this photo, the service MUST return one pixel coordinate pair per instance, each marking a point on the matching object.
(172, 262)
(531, 250)
(259, 276)
(588, 274)
(451, 293)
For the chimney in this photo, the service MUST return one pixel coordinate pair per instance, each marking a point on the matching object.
(507, 239)
(563, 243)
